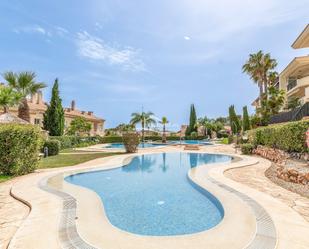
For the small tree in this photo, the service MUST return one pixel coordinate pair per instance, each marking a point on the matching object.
(24, 83)
(164, 121)
(79, 126)
(193, 120)
(245, 120)
(54, 116)
(9, 97)
(234, 120)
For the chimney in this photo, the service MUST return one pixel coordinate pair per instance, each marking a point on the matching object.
(73, 105)
(90, 113)
(39, 97)
(33, 97)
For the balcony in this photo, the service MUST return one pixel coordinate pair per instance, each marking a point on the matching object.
(292, 82)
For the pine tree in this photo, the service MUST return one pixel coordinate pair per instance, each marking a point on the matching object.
(234, 120)
(245, 120)
(192, 124)
(54, 115)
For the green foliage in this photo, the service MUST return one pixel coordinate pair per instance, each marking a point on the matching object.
(9, 97)
(67, 142)
(293, 103)
(53, 147)
(230, 139)
(289, 137)
(224, 140)
(144, 118)
(54, 115)
(247, 148)
(130, 141)
(79, 126)
(19, 148)
(245, 120)
(192, 122)
(255, 121)
(111, 139)
(234, 120)
(25, 84)
(194, 135)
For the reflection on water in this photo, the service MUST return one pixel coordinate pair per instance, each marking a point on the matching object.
(152, 195)
(143, 163)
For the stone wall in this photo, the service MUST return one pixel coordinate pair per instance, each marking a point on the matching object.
(292, 175)
(293, 167)
(277, 156)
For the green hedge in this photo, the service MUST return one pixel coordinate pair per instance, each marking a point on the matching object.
(247, 149)
(289, 137)
(67, 142)
(53, 147)
(19, 148)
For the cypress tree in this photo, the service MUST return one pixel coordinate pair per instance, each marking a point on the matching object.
(245, 119)
(192, 124)
(234, 120)
(54, 115)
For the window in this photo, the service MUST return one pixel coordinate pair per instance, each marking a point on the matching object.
(37, 121)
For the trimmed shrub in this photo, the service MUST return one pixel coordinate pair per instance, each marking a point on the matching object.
(130, 141)
(53, 147)
(19, 148)
(111, 139)
(289, 137)
(247, 149)
(67, 142)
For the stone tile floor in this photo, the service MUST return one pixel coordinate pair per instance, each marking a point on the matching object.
(253, 176)
(12, 213)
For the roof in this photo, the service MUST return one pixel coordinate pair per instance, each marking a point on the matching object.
(68, 112)
(296, 66)
(302, 41)
(7, 118)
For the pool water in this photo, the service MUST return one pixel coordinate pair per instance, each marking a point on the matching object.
(202, 142)
(152, 195)
(141, 145)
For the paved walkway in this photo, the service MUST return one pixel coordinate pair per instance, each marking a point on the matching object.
(254, 177)
(40, 229)
(12, 214)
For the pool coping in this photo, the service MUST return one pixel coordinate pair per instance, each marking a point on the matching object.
(265, 233)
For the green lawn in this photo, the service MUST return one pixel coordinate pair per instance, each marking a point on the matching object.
(71, 159)
(4, 178)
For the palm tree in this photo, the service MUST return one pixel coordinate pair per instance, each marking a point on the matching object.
(259, 67)
(25, 84)
(164, 121)
(8, 98)
(145, 118)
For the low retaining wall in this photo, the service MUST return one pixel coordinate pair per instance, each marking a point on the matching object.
(292, 173)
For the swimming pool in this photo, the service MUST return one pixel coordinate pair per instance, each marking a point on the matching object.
(152, 195)
(201, 142)
(141, 145)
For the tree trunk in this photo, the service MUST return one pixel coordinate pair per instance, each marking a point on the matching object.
(5, 109)
(163, 135)
(261, 92)
(23, 110)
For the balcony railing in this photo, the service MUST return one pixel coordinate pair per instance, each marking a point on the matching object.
(291, 84)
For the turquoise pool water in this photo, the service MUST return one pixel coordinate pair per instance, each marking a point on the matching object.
(152, 195)
(141, 145)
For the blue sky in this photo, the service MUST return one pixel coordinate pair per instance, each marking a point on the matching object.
(113, 57)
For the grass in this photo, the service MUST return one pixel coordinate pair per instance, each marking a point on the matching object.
(4, 178)
(63, 160)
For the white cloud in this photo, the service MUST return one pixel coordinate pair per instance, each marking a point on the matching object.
(32, 30)
(94, 48)
(187, 38)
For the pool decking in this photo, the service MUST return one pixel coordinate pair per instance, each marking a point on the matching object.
(45, 223)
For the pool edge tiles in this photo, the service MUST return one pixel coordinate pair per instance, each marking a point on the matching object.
(97, 230)
(141, 214)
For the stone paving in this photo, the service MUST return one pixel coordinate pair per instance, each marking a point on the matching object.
(254, 177)
(12, 214)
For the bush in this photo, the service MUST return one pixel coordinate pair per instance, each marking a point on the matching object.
(230, 139)
(19, 148)
(289, 137)
(247, 149)
(111, 139)
(224, 140)
(130, 141)
(53, 147)
(67, 142)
